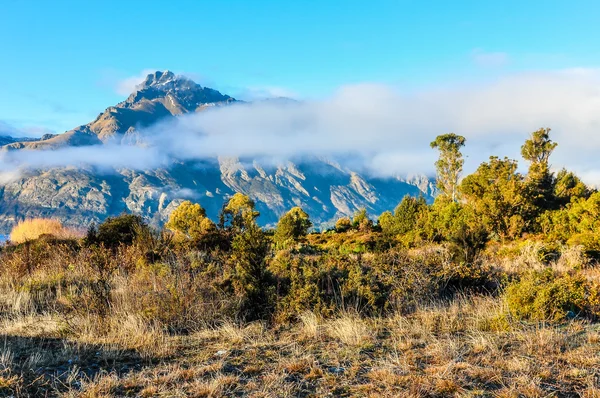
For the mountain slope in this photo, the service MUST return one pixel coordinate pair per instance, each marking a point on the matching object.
(79, 196)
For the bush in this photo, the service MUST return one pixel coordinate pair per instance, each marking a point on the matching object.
(343, 224)
(116, 231)
(32, 229)
(292, 227)
(550, 296)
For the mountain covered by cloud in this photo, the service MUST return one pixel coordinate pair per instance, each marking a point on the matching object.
(173, 139)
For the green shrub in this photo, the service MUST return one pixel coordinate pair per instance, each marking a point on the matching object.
(550, 296)
(343, 224)
(115, 231)
(292, 227)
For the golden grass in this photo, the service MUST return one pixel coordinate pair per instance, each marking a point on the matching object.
(33, 228)
(350, 329)
(445, 349)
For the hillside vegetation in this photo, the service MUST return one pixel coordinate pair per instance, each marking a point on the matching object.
(491, 291)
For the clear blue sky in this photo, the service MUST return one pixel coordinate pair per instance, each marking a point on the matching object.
(61, 60)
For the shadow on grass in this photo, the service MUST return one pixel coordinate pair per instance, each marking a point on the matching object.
(44, 367)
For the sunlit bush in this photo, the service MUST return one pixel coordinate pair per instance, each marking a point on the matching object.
(33, 228)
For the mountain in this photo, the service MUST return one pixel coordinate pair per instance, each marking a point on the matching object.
(79, 196)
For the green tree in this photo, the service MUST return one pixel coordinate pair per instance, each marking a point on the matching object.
(292, 226)
(387, 222)
(189, 222)
(361, 221)
(343, 224)
(239, 213)
(498, 195)
(450, 163)
(578, 223)
(459, 225)
(406, 224)
(252, 281)
(408, 213)
(537, 150)
(568, 187)
(115, 231)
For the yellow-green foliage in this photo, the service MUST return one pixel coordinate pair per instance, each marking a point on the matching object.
(368, 283)
(31, 229)
(498, 195)
(292, 226)
(189, 221)
(361, 221)
(343, 224)
(551, 296)
(239, 212)
(577, 224)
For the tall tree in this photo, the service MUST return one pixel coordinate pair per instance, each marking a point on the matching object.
(537, 150)
(239, 213)
(498, 195)
(450, 163)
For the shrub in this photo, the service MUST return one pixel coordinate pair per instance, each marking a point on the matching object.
(292, 226)
(252, 281)
(115, 231)
(549, 296)
(190, 224)
(361, 221)
(343, 224)
(32, 229)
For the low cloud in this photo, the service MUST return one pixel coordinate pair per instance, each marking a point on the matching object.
(259, 93)
(7, 129)
(372, 128)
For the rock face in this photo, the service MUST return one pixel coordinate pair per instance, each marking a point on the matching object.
(79, 196)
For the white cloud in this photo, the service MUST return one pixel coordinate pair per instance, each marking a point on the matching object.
(27, 131)
(264, 92)
(129, 84)
(489, 59)
(374, 128)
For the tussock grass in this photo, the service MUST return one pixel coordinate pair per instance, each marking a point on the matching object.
(31, 229)
(350, 329)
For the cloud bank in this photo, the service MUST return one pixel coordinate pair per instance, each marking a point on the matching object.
(373, 128)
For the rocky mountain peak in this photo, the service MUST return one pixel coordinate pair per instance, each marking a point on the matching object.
(158, 78)
(178, 93)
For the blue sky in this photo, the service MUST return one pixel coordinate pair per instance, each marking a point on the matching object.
(62, 62)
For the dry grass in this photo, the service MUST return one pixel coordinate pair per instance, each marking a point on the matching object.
(57, 341)
(448, 349)
(33, 228)
(350, 329)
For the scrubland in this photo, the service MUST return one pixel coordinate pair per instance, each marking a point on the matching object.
(492, 290)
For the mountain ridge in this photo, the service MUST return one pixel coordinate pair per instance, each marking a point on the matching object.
(80, 196)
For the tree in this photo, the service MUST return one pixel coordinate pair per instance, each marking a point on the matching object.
(189, 222)
(408, 212)
(343, 224)
(239, 213)
(567, 187)
(387, 222)
(361, 221)
(498, 196)
(450, 163)
(407, 222)
(252, 280)
(115, 231)
(537, 150)
(292, 226)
